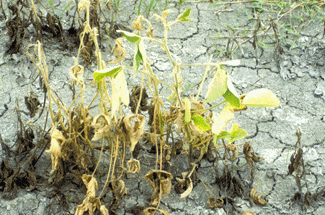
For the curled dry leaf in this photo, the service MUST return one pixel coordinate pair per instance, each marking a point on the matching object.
(133, 166)
(134, 132)
(76, 73)
(184, 183)
(152, 211)
(149, 32)
(180, 120)
(249, 154)
(137, 23)
(91, 185)
(57, 140)
(257, 198)
(119, 190)
(215, 202)
(195, 129)
(118, 51)
(234, 150)
(101, 123)
(90, 203)
(161, 181)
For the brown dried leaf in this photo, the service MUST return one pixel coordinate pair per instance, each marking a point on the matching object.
(137, 23)
(55, 148)
(234, 150)
(152, 210)
(76, 73)
(134, 132)
(101, 123)
(160, 180)
(91, 185)
(185, 182)
(249, 154)
(118, 51)
(215, 202)
(133, 166)
(90, 203)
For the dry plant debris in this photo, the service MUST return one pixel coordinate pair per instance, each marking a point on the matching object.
(257, 198)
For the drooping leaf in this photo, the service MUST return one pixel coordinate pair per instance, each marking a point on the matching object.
(137, 58)
(218, 86)
(261, 98)
(225, 116)
(111, 72)
(131, 37)
(123, 88)
(231, 95)
(143, 52)
(187, 117)
(199, 121)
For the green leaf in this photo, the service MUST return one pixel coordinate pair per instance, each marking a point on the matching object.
(237, 134)
(231, 95)
(223, 135)
(99, 75)
(185, 20)
(199, 121)
(184, 17)
(218, 86)
(138, 58)
(187, 118)
(133, 38)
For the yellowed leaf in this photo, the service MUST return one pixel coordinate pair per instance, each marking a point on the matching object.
(261, 98)
(187, 105)
(123, 88)
(225, 116)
